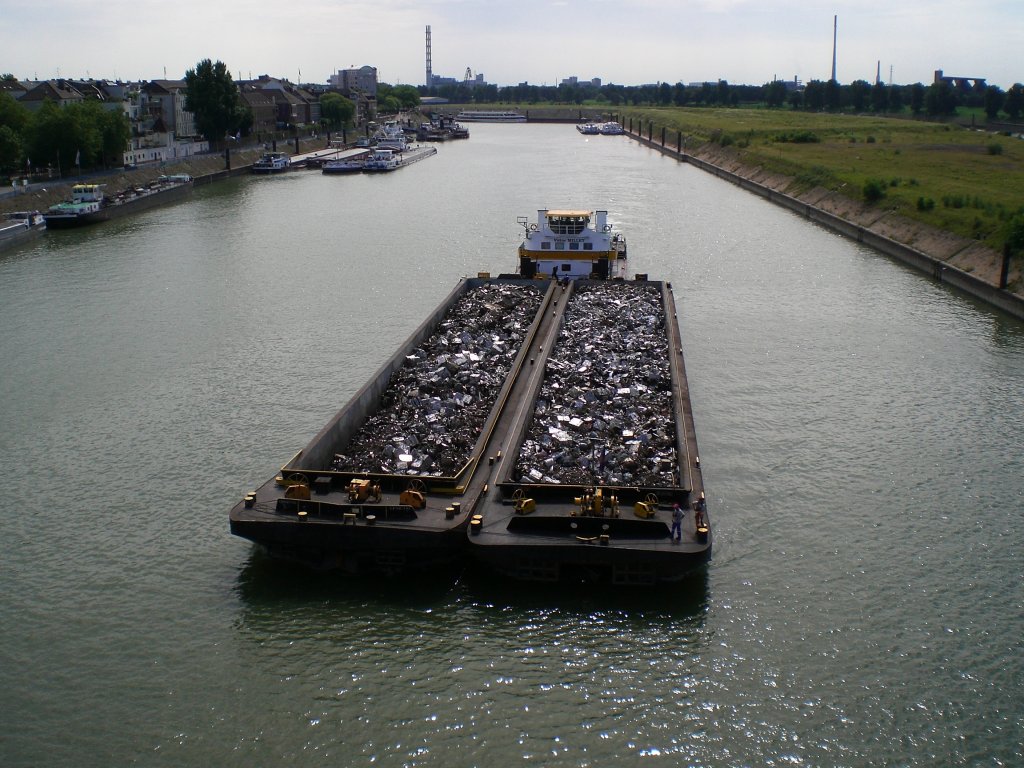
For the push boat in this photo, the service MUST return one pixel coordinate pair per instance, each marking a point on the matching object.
(89, 204)
(571, 244)
(272, 162)
(484, 438)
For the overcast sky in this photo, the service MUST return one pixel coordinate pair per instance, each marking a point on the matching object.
(628, 42)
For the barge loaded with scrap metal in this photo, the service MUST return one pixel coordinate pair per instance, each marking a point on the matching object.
(541, 427)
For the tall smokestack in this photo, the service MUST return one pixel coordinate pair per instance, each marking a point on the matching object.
(430, 75)
(835, 33)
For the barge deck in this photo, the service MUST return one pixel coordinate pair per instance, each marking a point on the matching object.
(587, 483)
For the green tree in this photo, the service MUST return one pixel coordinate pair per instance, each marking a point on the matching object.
(407, 96)
(833, 96)
(722, 94)
(860, 92)
(775, 93)
(814, 95)
(1013, 104)
(917, 91)
(940, 99)
(336, 110)
(213, 99)
(13, 114)
(679, 95)
(65, 136)
(115, 132)
(389, 105)
(993, 101)
(10, 149)
(879, 97)
(895, 99)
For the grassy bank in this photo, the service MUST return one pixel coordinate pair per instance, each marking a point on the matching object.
(968, 182)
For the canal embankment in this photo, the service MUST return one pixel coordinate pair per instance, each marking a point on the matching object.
(204, 169)
(960, 262)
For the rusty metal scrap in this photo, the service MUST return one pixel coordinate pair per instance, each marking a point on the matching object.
(436, 404)
(604, 412)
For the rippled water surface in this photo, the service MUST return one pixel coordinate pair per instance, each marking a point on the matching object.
(860, 430)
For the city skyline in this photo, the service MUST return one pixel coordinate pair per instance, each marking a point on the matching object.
(628, 42)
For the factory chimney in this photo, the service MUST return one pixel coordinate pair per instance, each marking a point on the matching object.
(430, 74)
(835, 32)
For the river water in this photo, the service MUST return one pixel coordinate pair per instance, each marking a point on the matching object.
(860, 430)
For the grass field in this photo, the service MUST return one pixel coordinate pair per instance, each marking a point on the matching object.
(965, 181)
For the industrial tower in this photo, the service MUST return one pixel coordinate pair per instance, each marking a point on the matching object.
(835, 32)
(430, 74)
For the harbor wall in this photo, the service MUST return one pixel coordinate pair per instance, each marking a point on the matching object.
(937, 267)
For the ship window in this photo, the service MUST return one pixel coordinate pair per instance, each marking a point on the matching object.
(567, 267)
(574, 246)
(567, 225)
(588, 246)
(560, 246)
(545, 246)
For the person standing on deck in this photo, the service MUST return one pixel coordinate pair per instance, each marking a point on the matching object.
(676, 533)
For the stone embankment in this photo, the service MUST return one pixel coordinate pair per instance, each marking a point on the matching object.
(203, 168)
(960, 262)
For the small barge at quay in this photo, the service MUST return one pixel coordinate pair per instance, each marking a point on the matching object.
(541, 427)
(89, 204)
(19, 227)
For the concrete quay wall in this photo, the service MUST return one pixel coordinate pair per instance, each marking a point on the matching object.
(932, 265)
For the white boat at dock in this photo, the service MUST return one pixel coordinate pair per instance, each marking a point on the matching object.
(272, 162)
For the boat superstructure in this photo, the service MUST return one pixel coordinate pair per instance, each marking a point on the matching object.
(571, 244)
(272, 162)
(391, 136)
(84, 207)
(381, 160)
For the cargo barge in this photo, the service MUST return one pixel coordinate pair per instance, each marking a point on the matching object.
(390, 484)
(540, 427)
(90, 205)
(600, 481)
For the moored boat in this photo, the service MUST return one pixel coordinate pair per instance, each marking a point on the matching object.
(21, 226)
(381, 161)
(351, 164)
(490, 116)
(89, 204)
(272, 162)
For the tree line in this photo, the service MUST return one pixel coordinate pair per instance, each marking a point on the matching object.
(937, 100)
(80, 135)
